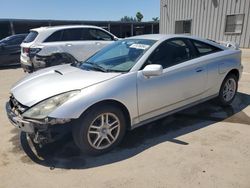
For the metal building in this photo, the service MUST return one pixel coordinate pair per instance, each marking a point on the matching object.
(219, 20)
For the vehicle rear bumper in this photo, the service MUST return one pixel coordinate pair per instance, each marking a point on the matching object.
(27, 68)
(26, 64)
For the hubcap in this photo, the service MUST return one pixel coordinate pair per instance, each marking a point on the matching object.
(229, 89)
(104, 131)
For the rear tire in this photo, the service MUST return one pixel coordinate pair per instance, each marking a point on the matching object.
(228, 90)
(100, 129)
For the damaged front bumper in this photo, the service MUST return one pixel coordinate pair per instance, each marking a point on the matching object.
(41, 131)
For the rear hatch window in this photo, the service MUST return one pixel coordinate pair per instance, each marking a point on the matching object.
(31, 37)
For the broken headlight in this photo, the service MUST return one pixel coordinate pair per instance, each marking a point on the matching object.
(44, 108)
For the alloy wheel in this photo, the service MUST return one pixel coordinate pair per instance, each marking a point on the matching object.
(103, 131)
(229, 89)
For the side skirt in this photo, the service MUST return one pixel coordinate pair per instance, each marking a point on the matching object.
(171, 112)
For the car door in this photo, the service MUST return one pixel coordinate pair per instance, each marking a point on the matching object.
(71, 41)
(91, 41)
(183, 79)
(100, 37)
(10, 51)
(78, 44)
(3, 54)
(81, 42)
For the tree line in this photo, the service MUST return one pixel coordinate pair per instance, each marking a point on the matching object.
(138, 18)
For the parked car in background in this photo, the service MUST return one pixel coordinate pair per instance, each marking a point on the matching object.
(10, 49)
(48, 46)
(127, 84)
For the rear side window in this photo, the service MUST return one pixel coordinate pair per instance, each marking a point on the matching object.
(56, 36)
(72, 34)
(204, 49)
(77, 34)
(31, 37)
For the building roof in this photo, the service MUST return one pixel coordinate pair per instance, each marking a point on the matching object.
(77, 21)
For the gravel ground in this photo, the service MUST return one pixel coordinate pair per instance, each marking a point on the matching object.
(204, 146)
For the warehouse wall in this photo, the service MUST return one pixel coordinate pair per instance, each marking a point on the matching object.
(208, 18)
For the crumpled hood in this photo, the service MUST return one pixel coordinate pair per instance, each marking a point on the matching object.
(55, 80)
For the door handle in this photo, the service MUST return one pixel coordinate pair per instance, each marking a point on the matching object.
(97, 43)
(199, 69)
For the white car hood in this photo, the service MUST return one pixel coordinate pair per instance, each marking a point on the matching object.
(55, 80)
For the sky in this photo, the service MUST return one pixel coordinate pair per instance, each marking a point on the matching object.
(109, 10)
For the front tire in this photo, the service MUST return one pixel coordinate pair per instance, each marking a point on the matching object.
(228, 90)
(100, 129)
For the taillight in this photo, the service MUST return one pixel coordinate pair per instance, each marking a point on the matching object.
(31, 51)
(34, 51)
(26, 50)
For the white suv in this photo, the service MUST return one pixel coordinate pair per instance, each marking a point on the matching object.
(48, 46)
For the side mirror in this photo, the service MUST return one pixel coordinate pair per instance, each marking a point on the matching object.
(152, 70)
(115, 38)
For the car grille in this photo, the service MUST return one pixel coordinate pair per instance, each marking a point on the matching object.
(16, 106)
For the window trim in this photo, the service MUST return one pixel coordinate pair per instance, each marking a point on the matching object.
(234, 33)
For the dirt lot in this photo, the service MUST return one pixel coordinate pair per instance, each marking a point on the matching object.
(204, 146)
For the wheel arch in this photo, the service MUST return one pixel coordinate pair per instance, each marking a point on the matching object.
(220, 99)
(113, 103)
(235, 72)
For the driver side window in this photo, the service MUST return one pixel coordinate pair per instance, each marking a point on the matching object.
(170, 53)
(14, 41)
(96, 34)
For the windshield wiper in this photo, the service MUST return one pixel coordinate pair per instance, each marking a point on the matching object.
(113, 70)
(97, 67)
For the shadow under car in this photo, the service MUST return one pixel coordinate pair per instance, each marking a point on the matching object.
(64, 154)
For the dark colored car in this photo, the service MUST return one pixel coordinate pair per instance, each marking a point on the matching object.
(10, 49)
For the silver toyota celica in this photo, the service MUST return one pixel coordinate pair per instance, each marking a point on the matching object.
(127, 84)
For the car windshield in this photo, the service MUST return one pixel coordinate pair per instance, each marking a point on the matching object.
(120, 56)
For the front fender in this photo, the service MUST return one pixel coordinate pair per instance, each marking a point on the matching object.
(122, 89)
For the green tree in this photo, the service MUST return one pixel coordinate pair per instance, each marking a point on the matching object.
(139, 16)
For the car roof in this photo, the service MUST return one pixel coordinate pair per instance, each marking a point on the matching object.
(19, 35)
(55, 28)
(14, 36)
(151, 36)
(162, 37)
